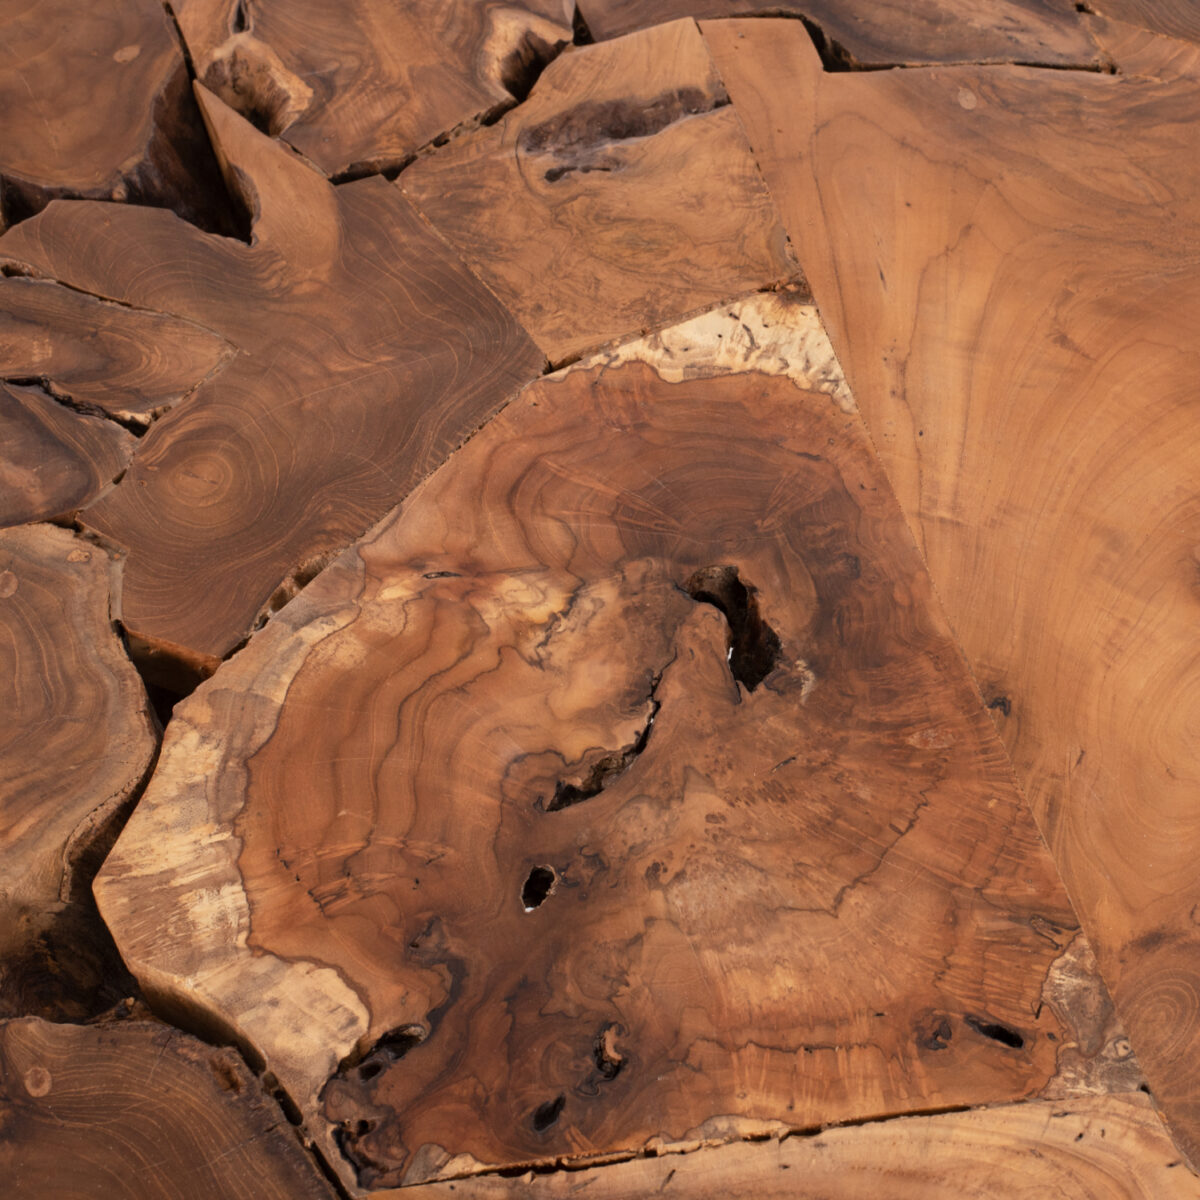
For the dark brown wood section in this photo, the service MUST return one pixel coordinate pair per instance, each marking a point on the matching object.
(75, 744)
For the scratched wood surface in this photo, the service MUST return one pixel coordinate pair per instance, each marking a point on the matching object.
(1018, 317)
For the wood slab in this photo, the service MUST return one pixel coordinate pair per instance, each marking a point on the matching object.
(1016, 297)
(96, 103)
(620, 195)
(141, 1111)
(125, 362)
(1104, 1146)
(363, 84)
(624, 789)
(368, 352)
(53, 460)
(76, 742)
(889, 32)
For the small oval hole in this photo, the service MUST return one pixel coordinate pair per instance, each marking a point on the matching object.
(537, 887)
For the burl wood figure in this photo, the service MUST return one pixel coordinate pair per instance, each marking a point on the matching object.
(623, 790)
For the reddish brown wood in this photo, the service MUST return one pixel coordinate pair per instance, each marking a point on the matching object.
(1175, 18)
(75, 743)
(362, 84)
(855, 32)
(52, 460)
(620, 195)
(368, 352)
(1109, 1146)
(126, 362)
(625, 788)
(95, 102)
(1017, 298)
(139, 1110)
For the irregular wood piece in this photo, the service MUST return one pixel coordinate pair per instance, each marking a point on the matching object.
(1017, 297)
(123, 361)
(96, 103)
(53, 460)
(139, 1110)
(620, 194)
(361, 85)
(624, 788)
(370, 352)
(75, 743)
(1175, 18)
(1106, 1146)
(898, 32)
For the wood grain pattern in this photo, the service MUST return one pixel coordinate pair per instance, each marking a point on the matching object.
(140, 1111)
(1017, 299)
(620, 195)
(889, 31)
(526, 830)
(363, 84)
(368, 352)
(1143, 53)
(75, 743)
(96, 103)
(1106, 1146)
(1174, 18)
(126, 362)
(53, 460)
